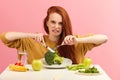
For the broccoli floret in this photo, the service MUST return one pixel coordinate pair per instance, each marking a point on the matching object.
(58, 59)
(49, 58)
(53, 58)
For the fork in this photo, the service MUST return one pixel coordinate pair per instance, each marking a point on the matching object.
(50, 49)
(58, 46)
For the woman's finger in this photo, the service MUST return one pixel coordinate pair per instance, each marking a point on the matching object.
(39, 37)
(69, 40)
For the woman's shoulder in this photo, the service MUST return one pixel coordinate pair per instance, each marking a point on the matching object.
(2, 37)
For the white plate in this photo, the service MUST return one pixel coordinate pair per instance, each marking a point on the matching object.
(65, 63)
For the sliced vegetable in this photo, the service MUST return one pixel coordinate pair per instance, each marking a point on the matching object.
(19, 64)
(76, 67)
(89, 70)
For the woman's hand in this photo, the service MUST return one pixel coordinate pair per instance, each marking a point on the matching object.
(39, 37)
(69, 40)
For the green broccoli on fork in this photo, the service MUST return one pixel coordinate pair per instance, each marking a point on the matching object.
(53, 58)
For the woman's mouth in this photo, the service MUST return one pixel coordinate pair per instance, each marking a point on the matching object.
(55, 31)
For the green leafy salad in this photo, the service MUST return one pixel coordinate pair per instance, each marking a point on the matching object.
(82, 69)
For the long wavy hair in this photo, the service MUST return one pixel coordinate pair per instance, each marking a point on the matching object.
(66, 51)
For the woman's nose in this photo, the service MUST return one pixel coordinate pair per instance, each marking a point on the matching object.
(56, 26)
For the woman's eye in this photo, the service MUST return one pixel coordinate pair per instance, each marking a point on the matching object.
(60, 23)
(53, 22)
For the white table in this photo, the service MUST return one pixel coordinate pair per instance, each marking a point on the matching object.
(52, 74)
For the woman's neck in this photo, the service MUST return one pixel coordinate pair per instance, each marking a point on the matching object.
(54, 38)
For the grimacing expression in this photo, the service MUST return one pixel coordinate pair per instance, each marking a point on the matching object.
(55, 24)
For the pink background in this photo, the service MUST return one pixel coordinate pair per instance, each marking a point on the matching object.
(87, 16)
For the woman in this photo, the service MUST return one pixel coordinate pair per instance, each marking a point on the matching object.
(59, 32)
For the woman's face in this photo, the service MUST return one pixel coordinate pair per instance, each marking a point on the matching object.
(55, 24)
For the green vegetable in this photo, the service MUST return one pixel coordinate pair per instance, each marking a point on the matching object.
(49, 58)
(58, 59)
(90, 70)
(76, 67)
(82, 68)
(53, 58)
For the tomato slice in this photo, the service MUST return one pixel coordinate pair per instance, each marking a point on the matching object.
(19, 64)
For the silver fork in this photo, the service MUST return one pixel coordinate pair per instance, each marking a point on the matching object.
(57, 47)
(50, 49)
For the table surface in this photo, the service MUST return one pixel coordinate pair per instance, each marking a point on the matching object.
(52, 74)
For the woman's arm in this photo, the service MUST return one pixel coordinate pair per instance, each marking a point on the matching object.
(96, 39)
(18, 35)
